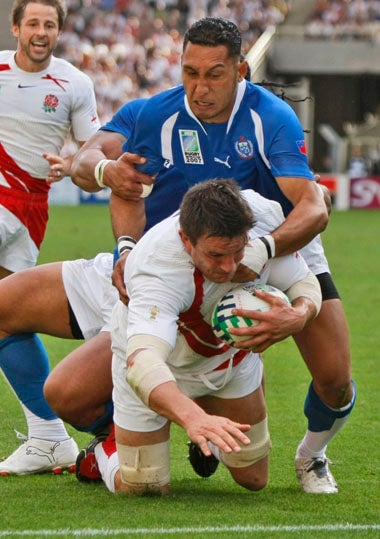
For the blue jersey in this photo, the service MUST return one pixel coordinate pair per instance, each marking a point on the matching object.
(263, 139)
(125, 118)
(169, 186)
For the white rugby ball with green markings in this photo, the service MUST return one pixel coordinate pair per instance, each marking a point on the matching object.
(242, 297)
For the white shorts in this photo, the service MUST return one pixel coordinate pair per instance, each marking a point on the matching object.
(17, 250)
(315, 257)
(90, 292)
(131, 413)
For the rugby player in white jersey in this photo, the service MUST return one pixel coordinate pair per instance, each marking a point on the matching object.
(167, 363)
(42, 99)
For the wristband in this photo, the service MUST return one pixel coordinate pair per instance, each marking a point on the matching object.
(270, 246)
(125, 243)
(99, 171)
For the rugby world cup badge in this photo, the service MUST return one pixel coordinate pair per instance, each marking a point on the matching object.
(191, 149)
(244, 148)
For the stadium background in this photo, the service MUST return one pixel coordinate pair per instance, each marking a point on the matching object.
(58, 506)
(324, 53)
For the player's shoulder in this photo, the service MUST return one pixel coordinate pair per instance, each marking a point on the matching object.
(165, 103)
(125, 117)
(60, 66)
(6, 56)
(130, 109)
(163, 252)
(165, 260)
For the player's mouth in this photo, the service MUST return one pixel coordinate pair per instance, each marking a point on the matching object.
(222, 277)
(203, 105)
(41, 45)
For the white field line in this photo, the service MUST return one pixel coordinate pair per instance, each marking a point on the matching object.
(105, 532)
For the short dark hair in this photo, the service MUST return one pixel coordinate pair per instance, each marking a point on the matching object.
(19, 6)
(214, 31)
(215, 208)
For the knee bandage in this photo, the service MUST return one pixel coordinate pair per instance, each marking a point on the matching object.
(258, 448)
(145, 468)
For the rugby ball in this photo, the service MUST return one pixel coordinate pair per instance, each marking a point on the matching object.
(242, 297)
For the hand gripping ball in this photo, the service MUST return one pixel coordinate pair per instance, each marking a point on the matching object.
(242, 297)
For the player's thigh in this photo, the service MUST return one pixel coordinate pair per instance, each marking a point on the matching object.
(34, 300)
(324, 345)
(248, 409)
(83, 380)
(137, 438)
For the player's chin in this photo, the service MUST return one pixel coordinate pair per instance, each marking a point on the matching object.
(221, 278)
(204, 112)
(40, 56)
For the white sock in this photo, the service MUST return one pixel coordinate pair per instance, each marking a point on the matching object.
(310, 446)
(108, 466)
(320, 415)
(314, 444)
(53, 429)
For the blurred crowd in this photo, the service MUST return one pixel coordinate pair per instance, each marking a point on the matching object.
(132, 48)
(343, 19)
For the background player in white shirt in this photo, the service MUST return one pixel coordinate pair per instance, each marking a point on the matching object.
(167, 363)
(42, 99)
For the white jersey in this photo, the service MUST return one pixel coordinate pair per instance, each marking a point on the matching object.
(172, 300)
(37, 111)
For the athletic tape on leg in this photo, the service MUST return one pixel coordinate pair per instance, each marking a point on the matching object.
(258, 448)
(146, 467)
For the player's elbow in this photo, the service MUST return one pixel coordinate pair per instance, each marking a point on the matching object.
(323, 218)
(79, 179)
(82, 174)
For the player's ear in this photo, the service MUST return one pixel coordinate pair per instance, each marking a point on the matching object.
(243, 69)
(185, 240)
(15, 31)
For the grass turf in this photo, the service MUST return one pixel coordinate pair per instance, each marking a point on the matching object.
(51, 506)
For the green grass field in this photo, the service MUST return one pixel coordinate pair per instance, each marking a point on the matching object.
(59, 506)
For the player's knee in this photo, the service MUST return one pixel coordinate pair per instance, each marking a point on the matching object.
(334, 393)
(334, 379)
(52, 393)
(252, 481)
(249, 467)
(256, 484)
(144, 469)
(60, 399)
(254, 452)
